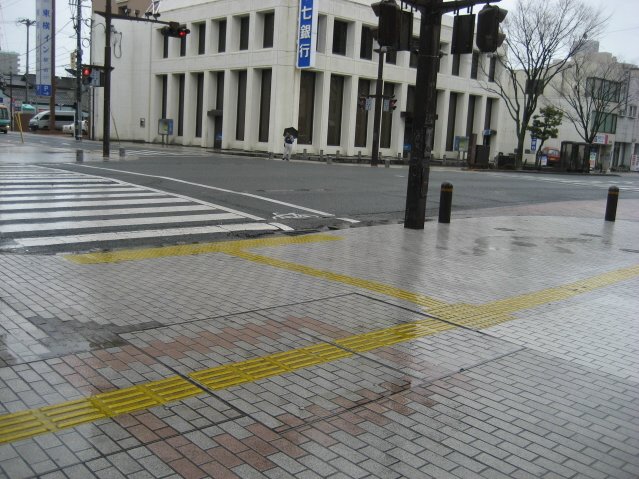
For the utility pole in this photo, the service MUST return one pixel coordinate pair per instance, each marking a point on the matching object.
(424, 116)
(11, 95)
(379, 92)
(53, 83)
(78, 73)
(27, 23)
(106, 130)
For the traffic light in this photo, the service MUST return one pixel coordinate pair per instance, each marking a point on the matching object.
(392, 103)
(389, 23)
(463, 33)
(361, 102)
(87, 74)
(175, 30)
(489, 38)
(395, 29)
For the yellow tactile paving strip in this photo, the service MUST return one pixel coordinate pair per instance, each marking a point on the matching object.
(193, 249)
(25, 424)
(30, 423)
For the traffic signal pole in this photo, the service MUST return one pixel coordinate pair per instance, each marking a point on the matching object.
(106, 130)
(78, 73)
(425, 109)
(425, 113)
(377, 120)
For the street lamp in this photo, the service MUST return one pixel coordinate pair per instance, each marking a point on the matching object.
(27, 23)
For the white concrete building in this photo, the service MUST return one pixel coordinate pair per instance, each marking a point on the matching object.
(233, 83)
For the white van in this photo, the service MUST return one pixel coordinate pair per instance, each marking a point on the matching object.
(41, 120)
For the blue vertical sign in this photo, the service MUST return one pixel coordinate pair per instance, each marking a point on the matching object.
(43, 49)
(307, 34)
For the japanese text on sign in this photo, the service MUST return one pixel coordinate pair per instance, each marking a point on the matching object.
(43, 51)
(307, 33)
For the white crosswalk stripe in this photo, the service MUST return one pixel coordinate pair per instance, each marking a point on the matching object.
(43, 207)
(600, 184)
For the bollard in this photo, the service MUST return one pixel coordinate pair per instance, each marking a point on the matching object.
(386, 162)
(329, 160)
(79, 156)
(304, 155)
(359, 156)
(445, 202)
(611, 204)
(122, 153)
(321, 155)
(270, 155)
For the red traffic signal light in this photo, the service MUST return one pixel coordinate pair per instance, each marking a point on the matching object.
(86, 71)
(175, 30)
(489, 38)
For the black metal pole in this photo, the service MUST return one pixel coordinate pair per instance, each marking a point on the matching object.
(11, 96)
(78, 73)
(611, 204)
(106, 130)
(445, 202)
(379, 93)
(424, 116)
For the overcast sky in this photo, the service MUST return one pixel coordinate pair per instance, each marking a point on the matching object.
(621, 37)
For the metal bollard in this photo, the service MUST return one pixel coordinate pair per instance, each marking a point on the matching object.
(321, 155)
(122, 152)
(270, 155)
(386, 162)
(445, 202)
(304, 155)
(79, 156)
(611, 204)
(359, 156)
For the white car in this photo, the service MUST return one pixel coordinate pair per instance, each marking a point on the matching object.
(70, 128)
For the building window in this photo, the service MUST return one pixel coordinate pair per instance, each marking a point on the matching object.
(366, 46)
(201, 38)
(604, 122)
(165, 45)
(180, 119)
(244, 33)
(602, 89)
(306, 109)
(221, 36)
(387, 119)
(183, 45)
(241, 105)
(335, 102)
(470, 119)
(632, 111)
(491, 68)
(269, 27)
(165, 88)
(340, 36)
(452, 117)
(413, 60)
(265, 105)
(474, 66)
(391, 57)
(321, 33)
(455, 70)
(361, 117)
(199, 100)
(489, 113)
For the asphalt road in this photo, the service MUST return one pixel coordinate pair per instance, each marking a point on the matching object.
(303, 196)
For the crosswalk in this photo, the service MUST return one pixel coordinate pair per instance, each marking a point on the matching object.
(47, 207)
(603, 183)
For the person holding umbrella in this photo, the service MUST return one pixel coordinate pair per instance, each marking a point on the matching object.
(290, 134)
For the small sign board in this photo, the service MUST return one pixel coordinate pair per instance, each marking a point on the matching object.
(533, 144)
(165, 126)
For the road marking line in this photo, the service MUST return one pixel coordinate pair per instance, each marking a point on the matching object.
(127, 235)
(89, 224)
(7, 199)
(99, 212)
(250, 195)
(92, 202)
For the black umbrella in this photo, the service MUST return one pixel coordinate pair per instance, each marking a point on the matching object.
(290, 131)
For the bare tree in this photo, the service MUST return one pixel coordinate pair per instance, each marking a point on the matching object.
(593, 92)
(541, 37)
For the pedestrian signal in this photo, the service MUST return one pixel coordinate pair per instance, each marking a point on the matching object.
(489, 38)
(175, 30)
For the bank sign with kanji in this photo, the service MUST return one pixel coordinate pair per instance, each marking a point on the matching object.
(307, 33)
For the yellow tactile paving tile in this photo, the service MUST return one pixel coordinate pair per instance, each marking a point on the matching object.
(193, 249)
